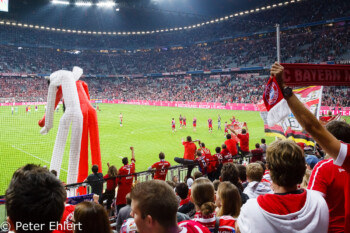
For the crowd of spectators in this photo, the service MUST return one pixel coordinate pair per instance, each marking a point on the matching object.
(317, 44)
(197, 88)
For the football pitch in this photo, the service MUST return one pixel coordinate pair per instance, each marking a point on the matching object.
(147, 128)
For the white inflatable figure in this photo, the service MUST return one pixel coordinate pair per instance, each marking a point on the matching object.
(72, 115)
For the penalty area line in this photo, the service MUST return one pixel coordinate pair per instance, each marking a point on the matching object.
(34, 156)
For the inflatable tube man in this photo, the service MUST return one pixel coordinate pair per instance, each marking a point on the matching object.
(72, 116)
(90, 130)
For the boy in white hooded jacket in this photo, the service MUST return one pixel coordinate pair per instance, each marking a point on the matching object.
(289, 209)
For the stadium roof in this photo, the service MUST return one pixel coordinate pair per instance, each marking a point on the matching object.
(125, 15)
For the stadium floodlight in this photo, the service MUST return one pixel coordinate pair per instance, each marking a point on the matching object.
(60, 2)
(42, 27)
(25, 25)
(292, 1)
(114, 33)
(53, 29)
(143, 32)
(84, 32)
(106, 4)
(280, 4)
(117, 9)
(176, 29)
(83, 3)
(226, 17)
(162, 30)
(180, 28)
(124, 33)
(286, 3)
(274, 5)
(58, 29)
(68, 30)
(189, 27)
(31, 26)
(262, 8)
(99, 33)
(8, 23)
(133, 33)
(241, 13)
(268, 7)
(104, 33)
(171, 29)
(194, 26)
(94, 32)
(166, 29)
(119, 33)
(79, 31)
(202, 24)
(48, 28)
(63, 30)
(2, 22)
(198, 25)
(236, 14)
(20, 25)
(14, 24)
(246, 12)
(138, 33)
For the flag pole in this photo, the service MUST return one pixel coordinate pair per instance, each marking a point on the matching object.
(278, 43)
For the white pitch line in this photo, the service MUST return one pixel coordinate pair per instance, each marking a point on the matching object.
(33, 143)
(35, 156)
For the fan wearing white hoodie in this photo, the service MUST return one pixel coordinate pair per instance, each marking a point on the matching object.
(255, 187)
(289, 209)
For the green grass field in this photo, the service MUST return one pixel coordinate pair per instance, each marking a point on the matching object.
(147, 128)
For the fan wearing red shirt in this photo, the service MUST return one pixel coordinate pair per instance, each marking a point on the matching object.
(243, 137)
(257, 154)
(231, 145)
(161, 167)
(226, 155)
(339, 151)
(328, 179)
(204, 162)
(190, 150)
(126, 179)
(109, 193)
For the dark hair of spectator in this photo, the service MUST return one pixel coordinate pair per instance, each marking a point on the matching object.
(262, 164)
(228, 136)
(157, 199)
(34, 196)
(197, 175)
(54, 172)
(128, 199)
(216, 184)
(189, 139)
(340, 130)
(161, 155)
(125, 160)
(92, 217)
(94, 168)
(286, 162)
(263, 141)
(242, 172)
(244, 131)
(229, 172)
(182, 190)
(217, 149)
